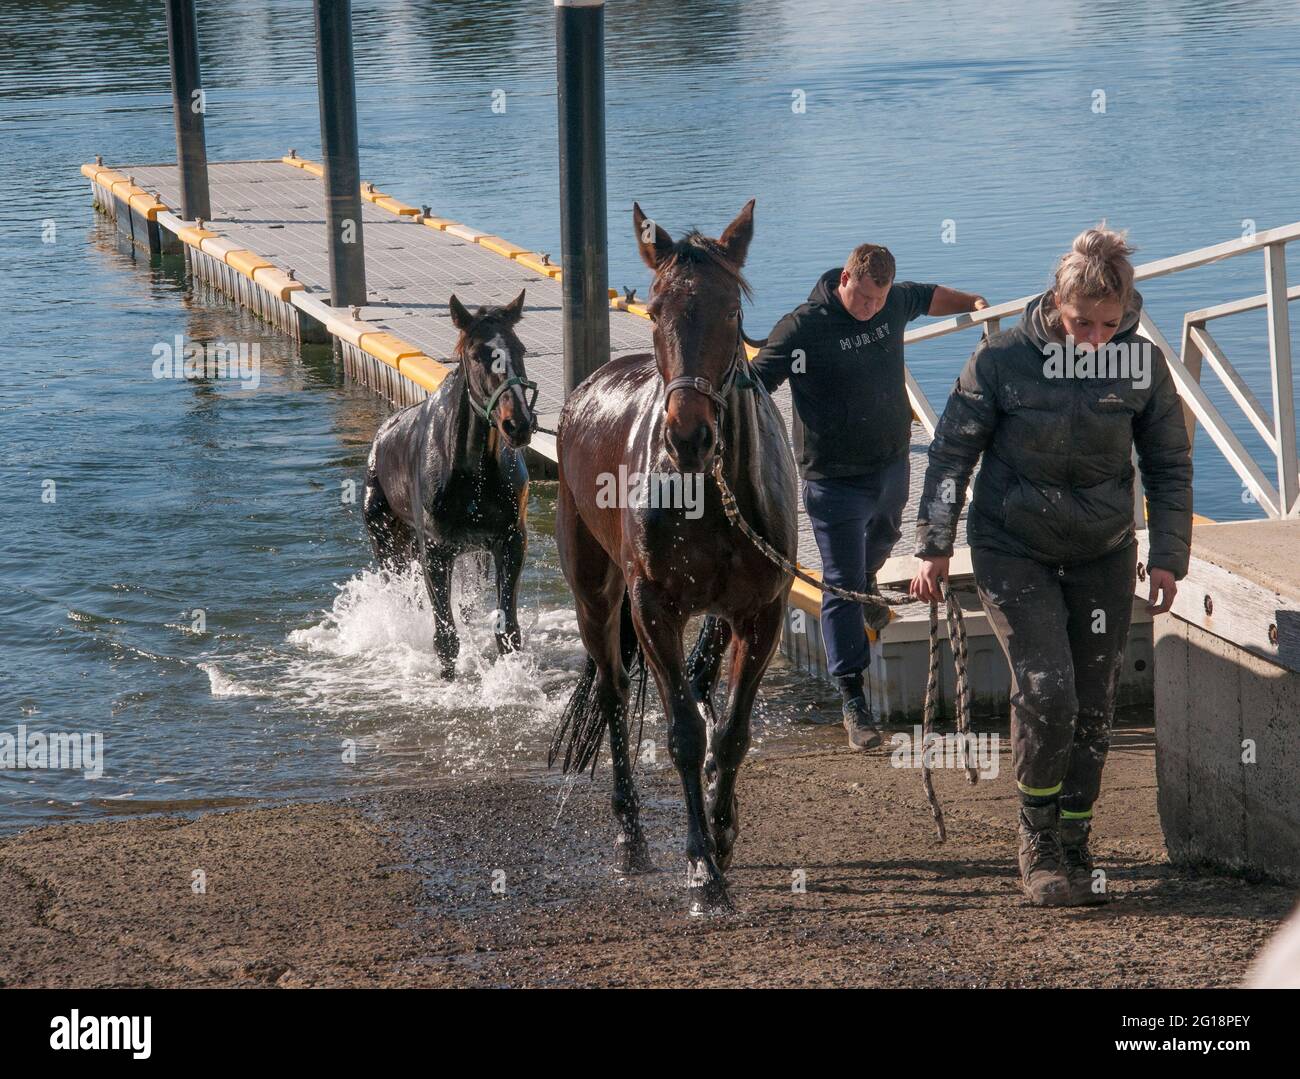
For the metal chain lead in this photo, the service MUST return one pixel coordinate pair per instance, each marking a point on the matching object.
(877, 606)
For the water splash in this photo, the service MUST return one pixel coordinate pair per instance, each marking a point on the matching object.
(223, 685)
(368, 666)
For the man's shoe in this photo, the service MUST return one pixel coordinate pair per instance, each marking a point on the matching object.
(861, 724)
(1042, 862)
(1085, 890)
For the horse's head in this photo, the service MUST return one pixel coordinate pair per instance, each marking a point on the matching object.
(695, 305)
(492, 358)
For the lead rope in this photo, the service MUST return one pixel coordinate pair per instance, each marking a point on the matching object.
(877, 606)
(957, 639)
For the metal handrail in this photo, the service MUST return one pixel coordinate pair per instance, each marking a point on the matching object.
(1277, 427)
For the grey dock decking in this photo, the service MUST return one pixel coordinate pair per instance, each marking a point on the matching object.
(274, 209)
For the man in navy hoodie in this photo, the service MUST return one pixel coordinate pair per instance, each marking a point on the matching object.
(842, 352)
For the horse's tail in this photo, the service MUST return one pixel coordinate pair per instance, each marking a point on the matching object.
(581, 729)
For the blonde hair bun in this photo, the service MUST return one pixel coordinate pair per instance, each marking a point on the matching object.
(1096, 266)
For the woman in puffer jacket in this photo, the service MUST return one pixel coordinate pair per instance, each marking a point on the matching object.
(1056, 406)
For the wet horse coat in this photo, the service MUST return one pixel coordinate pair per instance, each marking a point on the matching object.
(639, 572)
(447, 475)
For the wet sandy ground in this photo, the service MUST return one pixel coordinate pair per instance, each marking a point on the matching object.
(506, 882)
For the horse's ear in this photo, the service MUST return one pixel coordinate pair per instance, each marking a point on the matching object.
(735, 238)
(515, 309)
(460, 316)
(653, 242)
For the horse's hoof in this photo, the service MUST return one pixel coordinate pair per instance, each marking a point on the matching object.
(633, 858)
(706, 891)
(449, 673)
(709, 900)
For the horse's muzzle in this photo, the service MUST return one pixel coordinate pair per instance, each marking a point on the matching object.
(692, 450)
(518, 433)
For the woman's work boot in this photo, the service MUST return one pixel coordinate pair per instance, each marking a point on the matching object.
(1042, 863)
(1084, 889)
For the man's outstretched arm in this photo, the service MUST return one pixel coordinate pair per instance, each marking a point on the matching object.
(949, 301)
(781, 357)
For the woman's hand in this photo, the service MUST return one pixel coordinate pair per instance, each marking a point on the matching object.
(1164, 585)
(925, 585)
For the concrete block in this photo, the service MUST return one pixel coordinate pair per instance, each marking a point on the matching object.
(1216, 705)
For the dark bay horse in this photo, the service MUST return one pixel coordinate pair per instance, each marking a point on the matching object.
(638, 572)
(447, 476)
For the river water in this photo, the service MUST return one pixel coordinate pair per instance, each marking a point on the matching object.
(180, 573)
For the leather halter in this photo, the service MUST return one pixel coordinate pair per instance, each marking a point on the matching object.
(734, 376)
(704, 386)
(485, 411)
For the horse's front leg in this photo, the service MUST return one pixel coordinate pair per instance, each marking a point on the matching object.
(659, 626)
(437, 563)
(508, 555)
(755, 639)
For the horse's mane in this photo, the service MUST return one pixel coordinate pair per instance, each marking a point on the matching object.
(696, 249)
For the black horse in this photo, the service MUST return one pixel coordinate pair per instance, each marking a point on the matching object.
(447, 476)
